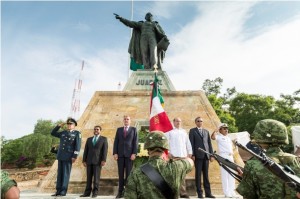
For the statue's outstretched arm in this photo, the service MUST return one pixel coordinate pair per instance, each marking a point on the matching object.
(117, 16)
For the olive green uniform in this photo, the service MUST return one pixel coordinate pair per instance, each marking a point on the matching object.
(139, 186)
(6, 183)
(260, 183)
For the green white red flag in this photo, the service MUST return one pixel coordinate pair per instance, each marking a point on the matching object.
(159, 120)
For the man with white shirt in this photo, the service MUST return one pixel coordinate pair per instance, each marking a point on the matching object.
(226, 151)
(180, 147)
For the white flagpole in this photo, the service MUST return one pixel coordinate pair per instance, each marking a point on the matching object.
(131, 18)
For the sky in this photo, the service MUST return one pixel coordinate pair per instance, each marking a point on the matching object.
(252, 45)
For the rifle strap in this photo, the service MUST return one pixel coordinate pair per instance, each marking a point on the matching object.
(158, 181)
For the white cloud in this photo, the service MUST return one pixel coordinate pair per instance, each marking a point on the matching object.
(39, 72)
(214, 45)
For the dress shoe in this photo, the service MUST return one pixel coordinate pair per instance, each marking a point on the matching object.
(200, 196)
(85, 195)
(94, 196)
(55, 194)
(184, 196)
(120, 195)
(210, 196)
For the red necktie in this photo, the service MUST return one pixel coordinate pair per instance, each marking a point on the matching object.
(125, 131)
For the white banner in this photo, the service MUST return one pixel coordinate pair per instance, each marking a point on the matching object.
(296, 139)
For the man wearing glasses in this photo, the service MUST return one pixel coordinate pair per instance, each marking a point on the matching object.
(69, 147)
(94, 157)
(124, 151)
(200, 138)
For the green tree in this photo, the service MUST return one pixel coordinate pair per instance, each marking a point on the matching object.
(225, 117)
(248, 109)
(212, 89)
(33, 146)
(11, 151)
(43, 127)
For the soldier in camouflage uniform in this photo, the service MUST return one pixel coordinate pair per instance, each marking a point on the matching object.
(258, 182)
(173, 172)
(9, 189)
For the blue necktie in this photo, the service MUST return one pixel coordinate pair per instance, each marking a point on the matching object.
(94, 140)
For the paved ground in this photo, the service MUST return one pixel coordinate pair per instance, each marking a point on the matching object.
(34, 195)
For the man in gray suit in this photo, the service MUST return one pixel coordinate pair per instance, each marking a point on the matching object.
(200, 138)
(94, 157)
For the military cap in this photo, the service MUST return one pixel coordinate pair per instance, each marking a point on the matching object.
(156, 139)
(223, 125)
(71, 120)
(6, 183)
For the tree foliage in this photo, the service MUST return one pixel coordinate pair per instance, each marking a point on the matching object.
(248, 109)
(212, 89)
(31, 147)
(242, 111)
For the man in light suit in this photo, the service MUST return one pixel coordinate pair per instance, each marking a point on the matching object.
(200, 138)
(124, 151)
(94, 157)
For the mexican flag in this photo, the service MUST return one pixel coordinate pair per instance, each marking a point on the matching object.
(158, 117)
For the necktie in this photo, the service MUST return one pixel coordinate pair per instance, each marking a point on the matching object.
(94, 140)
(201, 133)
(125, 131)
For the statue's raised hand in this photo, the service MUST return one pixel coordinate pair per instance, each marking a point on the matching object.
(117, 16)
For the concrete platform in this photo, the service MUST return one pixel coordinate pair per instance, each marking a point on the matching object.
(35, 195)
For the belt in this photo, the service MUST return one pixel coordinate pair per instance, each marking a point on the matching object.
(230, 154)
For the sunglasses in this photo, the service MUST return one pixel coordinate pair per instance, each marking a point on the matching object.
(96, 129)
(199, 121)
(70, 123)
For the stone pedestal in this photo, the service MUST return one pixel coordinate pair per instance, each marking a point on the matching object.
(107, 108)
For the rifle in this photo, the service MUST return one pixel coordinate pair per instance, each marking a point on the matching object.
(285, 173)
(226, 164)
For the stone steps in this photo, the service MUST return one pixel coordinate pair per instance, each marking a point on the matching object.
(35, 195)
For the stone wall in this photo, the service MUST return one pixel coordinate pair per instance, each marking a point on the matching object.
(23, 175)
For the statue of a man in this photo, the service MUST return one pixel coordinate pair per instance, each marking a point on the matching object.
(148, 43)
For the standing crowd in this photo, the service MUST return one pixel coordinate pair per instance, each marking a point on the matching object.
(162, 177)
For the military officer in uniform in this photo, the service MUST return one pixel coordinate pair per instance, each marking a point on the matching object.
(69, 147)
(140, 186)
(258, 181)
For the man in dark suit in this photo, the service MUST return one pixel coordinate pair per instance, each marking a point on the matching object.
(69, 147)
(94, 157)
(199, 137)
(124, 151)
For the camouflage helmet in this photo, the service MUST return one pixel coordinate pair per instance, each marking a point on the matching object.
(156, 139)
(270, 131)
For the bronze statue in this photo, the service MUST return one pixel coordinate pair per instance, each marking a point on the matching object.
(148, 42)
